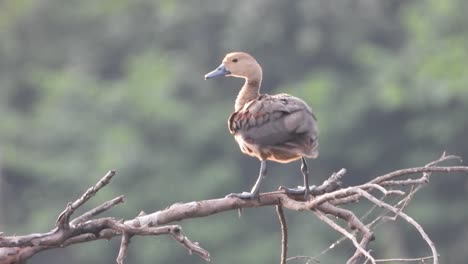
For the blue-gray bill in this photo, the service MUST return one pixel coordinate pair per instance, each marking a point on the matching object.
(220, 71)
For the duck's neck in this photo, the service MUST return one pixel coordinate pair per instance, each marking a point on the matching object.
(249, 91)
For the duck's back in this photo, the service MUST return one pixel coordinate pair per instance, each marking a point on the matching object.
(276, 127)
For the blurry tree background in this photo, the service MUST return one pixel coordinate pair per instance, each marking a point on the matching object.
(88, 86)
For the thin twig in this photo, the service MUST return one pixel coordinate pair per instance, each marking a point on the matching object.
(342, 238)
(416, 185)
(421, 260)
(191, 246)
(64, 218)
(331, 184)
(353, 223)
(408, 219)
(123, 248)
(343, 231)
(402, 172)
(284, 233)
(97, 210)
(303, 257)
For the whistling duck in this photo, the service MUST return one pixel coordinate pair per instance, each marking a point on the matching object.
(279, 127)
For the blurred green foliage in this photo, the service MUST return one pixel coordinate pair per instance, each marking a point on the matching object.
(88, 86)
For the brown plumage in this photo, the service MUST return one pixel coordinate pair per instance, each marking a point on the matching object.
(280, 127)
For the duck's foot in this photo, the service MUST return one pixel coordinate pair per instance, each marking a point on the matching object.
(299, 190)
(243, 195)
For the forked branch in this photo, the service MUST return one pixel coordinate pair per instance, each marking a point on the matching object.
(327, 199)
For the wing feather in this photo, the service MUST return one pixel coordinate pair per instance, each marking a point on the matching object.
(272, 120)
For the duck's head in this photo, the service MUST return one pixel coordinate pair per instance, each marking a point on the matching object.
(237, 64)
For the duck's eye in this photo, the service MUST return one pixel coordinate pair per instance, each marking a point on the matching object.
(235, 60)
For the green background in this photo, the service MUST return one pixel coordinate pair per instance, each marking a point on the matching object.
(88, 86)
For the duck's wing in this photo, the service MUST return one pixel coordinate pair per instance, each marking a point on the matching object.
(274, 119)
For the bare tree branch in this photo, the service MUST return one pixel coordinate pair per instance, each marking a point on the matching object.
(97, 210)
(308, 258)
(123, 248)
(329, 198)
(64, 218)
(359, 246)
(420, 260)
(284, 234)
(408, 219)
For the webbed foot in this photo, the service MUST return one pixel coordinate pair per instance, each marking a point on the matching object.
(243, 195)
(299, 190)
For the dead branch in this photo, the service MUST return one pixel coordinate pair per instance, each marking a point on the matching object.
(123, 248)
(64, 218)
(327, 199)
(419, 260)
(284, 234)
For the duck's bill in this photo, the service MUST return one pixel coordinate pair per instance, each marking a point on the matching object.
(220, 71)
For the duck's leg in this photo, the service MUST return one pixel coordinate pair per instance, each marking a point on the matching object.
(305, 174)
(256, 188)
(306, 188)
